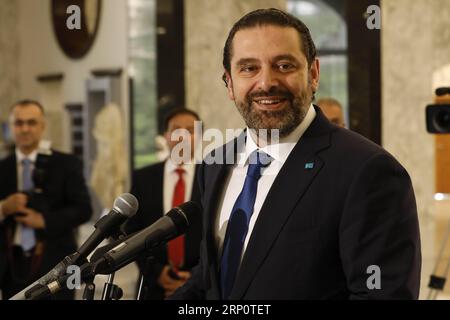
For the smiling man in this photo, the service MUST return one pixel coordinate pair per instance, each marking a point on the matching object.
(274, 80)
(324, 208)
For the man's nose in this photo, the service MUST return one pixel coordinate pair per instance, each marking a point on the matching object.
(268, 79)
(25, 127)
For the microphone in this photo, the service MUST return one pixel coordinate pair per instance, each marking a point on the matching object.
(124, 207)
(100, 251)
(166, 228)
(173, 224)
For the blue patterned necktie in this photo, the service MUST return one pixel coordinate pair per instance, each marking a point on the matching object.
(28, 239)
(238, 224)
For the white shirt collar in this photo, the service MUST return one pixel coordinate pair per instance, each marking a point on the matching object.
(20, 156)
(281, 150)
(43, 148)
(188, 168)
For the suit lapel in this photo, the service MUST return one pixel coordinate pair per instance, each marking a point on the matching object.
(293, 180)
(11, 174)
(9, 187)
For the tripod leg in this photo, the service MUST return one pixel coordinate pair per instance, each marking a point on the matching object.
(437, 283)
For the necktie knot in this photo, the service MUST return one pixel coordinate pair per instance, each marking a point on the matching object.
(26, 162)
(258, 160)
(180, 172)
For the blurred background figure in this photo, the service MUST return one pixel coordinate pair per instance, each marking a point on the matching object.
(43, 199)
(332, 109)
(159, 188)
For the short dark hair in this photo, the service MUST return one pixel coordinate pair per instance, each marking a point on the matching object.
(177, 111)
(270, 16)
(26, 102)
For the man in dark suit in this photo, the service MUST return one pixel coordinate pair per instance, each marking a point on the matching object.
(43, 199)
(159, 188)
(307, 210)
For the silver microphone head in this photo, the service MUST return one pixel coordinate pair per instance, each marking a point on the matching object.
(126, 204)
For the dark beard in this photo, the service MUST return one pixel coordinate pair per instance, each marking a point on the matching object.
(285, 120)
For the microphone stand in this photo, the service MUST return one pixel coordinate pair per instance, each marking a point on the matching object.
(89, 289)
(111, 291)
(143, 289)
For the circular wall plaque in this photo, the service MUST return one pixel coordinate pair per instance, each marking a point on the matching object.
(75, 24)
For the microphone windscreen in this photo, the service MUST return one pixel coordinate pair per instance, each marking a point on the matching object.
(126, 204)
(185, 215)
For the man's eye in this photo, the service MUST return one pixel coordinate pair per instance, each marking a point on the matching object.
(285, 66)
(248, 68)
(20, 123)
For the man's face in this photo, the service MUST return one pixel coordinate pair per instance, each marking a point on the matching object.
(333, 113)
(181, 121)
(28, 125)
(270, 81)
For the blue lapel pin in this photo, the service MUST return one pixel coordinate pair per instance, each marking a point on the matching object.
(309, 165)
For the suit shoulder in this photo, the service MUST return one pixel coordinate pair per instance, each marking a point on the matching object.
(65, 158)
(7, 160)
(354, 146)
(150, 170)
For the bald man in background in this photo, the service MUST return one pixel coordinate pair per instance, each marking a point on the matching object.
(332, 109)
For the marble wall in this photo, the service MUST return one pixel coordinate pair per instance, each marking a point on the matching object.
(207, 23)
(42, 55)
(415, 50)
(415, 43)
(9, 56)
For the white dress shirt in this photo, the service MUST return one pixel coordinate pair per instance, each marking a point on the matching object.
(235, 181)
(171, 178)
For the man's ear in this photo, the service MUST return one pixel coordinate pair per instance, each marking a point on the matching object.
(229, 85)
(314, 73)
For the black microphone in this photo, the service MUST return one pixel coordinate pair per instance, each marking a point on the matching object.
(170, 226)
(124, 207)
(100, 251)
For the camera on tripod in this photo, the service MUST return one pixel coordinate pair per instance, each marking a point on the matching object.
(438, 115)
